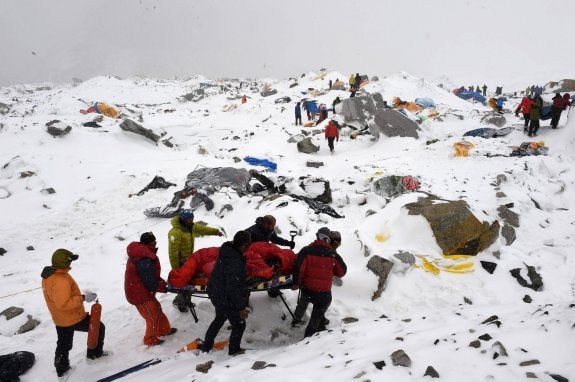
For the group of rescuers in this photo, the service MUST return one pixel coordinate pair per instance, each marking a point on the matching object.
(316, 266)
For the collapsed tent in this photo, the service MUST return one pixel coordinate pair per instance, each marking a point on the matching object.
(467, 95)
(410, 106)
(487, 132)
(263, 261)
(530, 148)
(424, 102)
(211, 179)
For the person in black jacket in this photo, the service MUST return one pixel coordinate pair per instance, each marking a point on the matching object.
(226, 290)
(264, 231)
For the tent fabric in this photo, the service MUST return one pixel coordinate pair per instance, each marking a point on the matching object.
(425, 102)
(261, 162)
(467, 95)
(411, 106)
(546, 112)
(530, 148)
(488, 132)
(462, 148)
(212, 179)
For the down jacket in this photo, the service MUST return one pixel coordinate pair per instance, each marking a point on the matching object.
(181, 240)
(316, 265)
(63, 297)
(142, 278)
(331, 130)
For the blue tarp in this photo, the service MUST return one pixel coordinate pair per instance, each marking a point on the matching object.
(424, 102)
(546, 112)
(466, 95)
(312, 106)
(262, 162)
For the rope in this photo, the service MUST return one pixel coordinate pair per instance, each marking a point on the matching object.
(24, 291)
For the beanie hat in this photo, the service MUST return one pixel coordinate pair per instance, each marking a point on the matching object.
(323, 234)
(186, 214)
(62, 258)
(147, 238)
(335, 235)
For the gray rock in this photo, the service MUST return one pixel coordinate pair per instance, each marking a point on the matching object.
(392, 123)
(259, 365)
(508, 234)
(379, 364)
(30, 248)
(361, 109)
(475, 344)
(314, 164)
(535, 281)
(349, 320)
(558, 378)
(508, 216)
(195, 96)
(467, 301)
(306, 146)
(48, 191)
(494, 119)
(284, 99)
(457, 231)
(489, 266)
(204, 367)
(485, 337)
(527, 299)
(12, 311)
(390, 186)
(374, 79)
(268, 93)
(4, 108)
(293, 85)
(530, 362)
(29, 325)
(405, 257)
(133, 127)
(57, 129)
(501, 178)
(530, 374)
(499, 349)
(563, 86)
(381, 267)
(325, 197)
(2, 251)
(431, 372)
(399, 358)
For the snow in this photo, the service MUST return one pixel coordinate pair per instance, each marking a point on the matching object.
(95, 172)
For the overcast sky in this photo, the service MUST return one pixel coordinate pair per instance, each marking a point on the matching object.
(470, 41)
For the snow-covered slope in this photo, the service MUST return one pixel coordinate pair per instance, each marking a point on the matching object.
(433, 318)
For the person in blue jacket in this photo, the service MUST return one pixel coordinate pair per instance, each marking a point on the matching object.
(500, 102)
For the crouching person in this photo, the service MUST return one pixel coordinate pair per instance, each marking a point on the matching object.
(315, 267)
(142, 281)
(227, 292)
(66, 305)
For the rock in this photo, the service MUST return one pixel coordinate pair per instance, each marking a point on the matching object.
(381, 267)
(11, 312)
(490, 319)
(485, 337)
(48, 191)
(259, 365)
(379, 364)
(29, 325)
(57, 129)
(204, 367)
(494, 119)
(475, 344)
(167, 142)
(508, 216)
(489, 266)
(195, 96)
(314, 164)
(133, 127)
(563, 86)
(293, 85)
(361, 109)
(392, 123)
(268, 93)
(314, 185)
(530, 362)
(501, 178)
(457, 231)
(27, 174)
(399, 358)
(390, 186)
(499, 349)
(374, 79)
(2, 251)
(530, 374)
(349, 320)
(535, 280)
(527, 299)
(405, 257)
(30, 248)
(285, 99)
(4, 108)
(558, 378)
(467, 301)
(306, 146)
(431, 372)
(508, 233)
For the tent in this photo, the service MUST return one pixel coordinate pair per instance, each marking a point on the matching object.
(467, 95)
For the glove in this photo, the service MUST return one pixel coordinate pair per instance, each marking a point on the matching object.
(244, 314)
(220, 233)
(292, 245)
(90, 296)
(162, 286)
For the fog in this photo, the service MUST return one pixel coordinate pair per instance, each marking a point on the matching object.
(491, 41)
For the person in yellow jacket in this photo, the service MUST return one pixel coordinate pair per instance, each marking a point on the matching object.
(181, 240)
(352, 82)
(101, 108)
(66, 305)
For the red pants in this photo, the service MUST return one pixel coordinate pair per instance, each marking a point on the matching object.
(157, 323)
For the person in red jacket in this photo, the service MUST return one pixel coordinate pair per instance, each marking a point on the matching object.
(331, 134)
(559, 104)
(142, 281)
(525, 108)
(315, 267)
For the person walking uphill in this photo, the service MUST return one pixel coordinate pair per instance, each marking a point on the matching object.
(525, 108)
(264, 230)
(535, 115)
(66, 306)
(315, 267)
(331, 134)
(560, 103)
(142, 281)
(226, 290)
(181, 240)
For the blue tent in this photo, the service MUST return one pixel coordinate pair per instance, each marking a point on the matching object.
(466, 95)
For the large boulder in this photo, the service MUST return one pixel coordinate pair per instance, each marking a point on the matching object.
(57, 129)
(306, 146)
(457, 231)
(133, 127)
(4, 108)
(566, 85)
(494, 119)
(361, 109)
(381, 267)
(392, 123)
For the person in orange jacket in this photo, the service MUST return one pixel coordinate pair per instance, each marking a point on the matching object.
(331, 134)
(142, 281)
(66, 305)
(101, 108)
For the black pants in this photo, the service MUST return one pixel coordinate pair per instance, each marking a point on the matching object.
(238, 327)
(297, 119)
(526, 122)
(330, 143)
(301, 307)
(533, 127)
(320, 301)
(555, 116)
(66, 340)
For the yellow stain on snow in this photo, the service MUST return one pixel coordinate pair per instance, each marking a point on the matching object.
(381, 237)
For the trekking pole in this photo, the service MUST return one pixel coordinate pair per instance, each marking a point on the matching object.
(285, 303)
